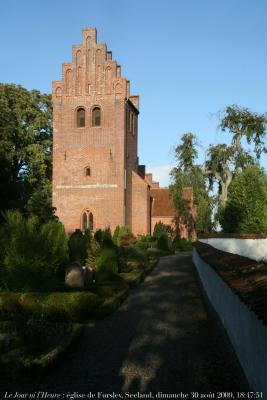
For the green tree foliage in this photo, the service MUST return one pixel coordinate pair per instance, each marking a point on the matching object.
(188, 174)
(186, 152)
(246, 207)
(32, 255)
(243, 123)
(40, 203)
(223, 161)
(222, 164)
(25, 144)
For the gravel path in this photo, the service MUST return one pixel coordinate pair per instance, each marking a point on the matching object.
(164, 338)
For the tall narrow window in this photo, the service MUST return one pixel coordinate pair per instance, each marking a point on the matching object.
(80, 118)
(91, 222)
(87, 171)
(132, 123)
(96, 116)
(84, 221)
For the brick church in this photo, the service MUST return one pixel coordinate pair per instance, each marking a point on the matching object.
(97, 179)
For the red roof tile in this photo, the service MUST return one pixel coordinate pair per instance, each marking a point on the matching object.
(246, 277)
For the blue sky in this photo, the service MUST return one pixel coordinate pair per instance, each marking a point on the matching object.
(187, 59)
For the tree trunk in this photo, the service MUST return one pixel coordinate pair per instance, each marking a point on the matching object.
(225, 183)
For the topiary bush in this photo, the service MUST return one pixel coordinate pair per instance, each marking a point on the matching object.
(107, 241)
(160, 229)
(107, 265)
(119, 232)
(58, 307)
(78, 244)
(163, 242)
(126, 239)
(93, 252)
(32, 255)
(246, 207)
(99, 233)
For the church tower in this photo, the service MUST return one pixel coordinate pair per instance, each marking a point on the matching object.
(96, 178)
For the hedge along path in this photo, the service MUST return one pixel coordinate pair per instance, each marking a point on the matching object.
(164, 338)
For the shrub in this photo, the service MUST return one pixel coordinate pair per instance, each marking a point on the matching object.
(160, 229)
(144, 242)
(126, 239)
(119, 232)
(93, 251)
(32, 254)
(181, 244)
(78, 243)
(99, 235)
(107, 241)
(246, 207)
(163, 242)
(107, 265)
(60, 307)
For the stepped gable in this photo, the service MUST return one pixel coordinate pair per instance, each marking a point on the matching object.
(92, 72)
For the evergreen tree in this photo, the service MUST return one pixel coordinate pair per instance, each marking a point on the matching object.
(246, 207)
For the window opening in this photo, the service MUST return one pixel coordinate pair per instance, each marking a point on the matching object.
(91, 222)
(81, 118)
(96, 116)
(84, 221)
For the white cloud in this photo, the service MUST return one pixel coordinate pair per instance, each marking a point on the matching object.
(161, 173)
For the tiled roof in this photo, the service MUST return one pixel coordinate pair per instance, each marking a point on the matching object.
(162, 204)
(233, 235)
(246, 277)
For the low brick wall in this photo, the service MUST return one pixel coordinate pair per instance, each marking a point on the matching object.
(247, 333)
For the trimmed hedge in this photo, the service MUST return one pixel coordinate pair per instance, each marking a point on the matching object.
(59, 307)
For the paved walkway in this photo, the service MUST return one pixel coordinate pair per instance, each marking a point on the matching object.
(164, 338)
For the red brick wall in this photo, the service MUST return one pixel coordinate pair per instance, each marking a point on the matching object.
(110, 150)
(168, 221)
(140, 206)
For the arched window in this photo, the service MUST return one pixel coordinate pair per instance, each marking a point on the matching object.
(91, 222)
(87, 221)
(80, 118)
(96, 116)
(84, 221)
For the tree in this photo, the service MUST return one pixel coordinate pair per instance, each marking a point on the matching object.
(25, 144)
(222, 164)
(246, 207)
(223, 161)
(188, 173)
(40, 203)
(186, 152)
(241, 122)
